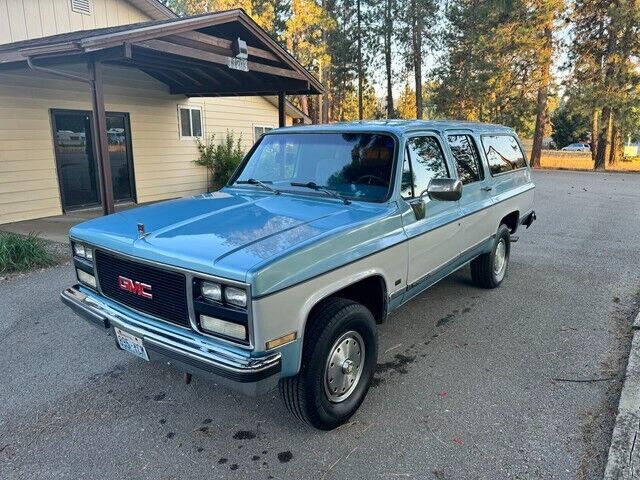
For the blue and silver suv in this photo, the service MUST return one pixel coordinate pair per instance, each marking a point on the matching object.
(282, 277)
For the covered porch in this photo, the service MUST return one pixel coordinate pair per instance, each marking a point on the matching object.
(215, 55)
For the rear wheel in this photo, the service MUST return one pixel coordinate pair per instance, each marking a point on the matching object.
(488, 270)
(338, 362)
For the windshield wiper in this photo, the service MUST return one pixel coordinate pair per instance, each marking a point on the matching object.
(322, 188)
(253, 181)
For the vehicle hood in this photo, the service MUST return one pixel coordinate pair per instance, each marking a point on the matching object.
(231, 233)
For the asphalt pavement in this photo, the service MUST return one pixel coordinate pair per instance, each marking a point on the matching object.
(517, 382)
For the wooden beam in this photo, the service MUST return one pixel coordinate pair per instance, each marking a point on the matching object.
(154, 31)
(223, 43)
(171, 64)
(282, 110)
(163, 78)
(181, 50)
(100, 139)
(262, 88)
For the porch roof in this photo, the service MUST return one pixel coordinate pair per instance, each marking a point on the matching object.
(193, 56)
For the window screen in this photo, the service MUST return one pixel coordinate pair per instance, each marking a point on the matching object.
(503, 153)
(426, 162)
(467, 159)
(196, 123)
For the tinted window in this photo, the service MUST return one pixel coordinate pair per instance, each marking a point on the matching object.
(503, 153)
(467, 159)
(357, 165)
(427, 162)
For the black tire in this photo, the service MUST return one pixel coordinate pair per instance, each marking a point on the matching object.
(483, 273)
(305, 394)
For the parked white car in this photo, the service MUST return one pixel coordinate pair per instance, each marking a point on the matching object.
(577, 147)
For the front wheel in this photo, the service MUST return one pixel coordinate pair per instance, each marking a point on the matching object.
(338, 362)
(488, 270)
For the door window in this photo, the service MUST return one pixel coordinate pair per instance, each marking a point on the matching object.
(76, 164)
(503, 153)
(120, 157)
(424, 160)
(466, 157)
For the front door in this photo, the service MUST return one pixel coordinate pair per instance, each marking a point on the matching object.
(433, 239)
(77, 167)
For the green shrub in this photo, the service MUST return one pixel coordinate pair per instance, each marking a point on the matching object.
(19, 253)
(220, 159)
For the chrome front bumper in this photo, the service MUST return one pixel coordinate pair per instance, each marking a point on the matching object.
(183, 349)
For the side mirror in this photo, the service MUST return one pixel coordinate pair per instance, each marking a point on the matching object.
(447, 189)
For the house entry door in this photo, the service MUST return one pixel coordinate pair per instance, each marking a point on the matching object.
(76, 161)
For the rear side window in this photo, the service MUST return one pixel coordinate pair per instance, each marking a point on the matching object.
(424, 160)
(503, 153)
(467, 159)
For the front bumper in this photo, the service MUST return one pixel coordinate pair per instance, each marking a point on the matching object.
(183, 349)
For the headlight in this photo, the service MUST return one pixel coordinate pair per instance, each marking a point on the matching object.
(86, 278)
(222, 327)
(78, 250)
(235, 296)
(82, 251)
(211, 291)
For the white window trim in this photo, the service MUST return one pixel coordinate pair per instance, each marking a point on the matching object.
(259, 125)
(190, 107)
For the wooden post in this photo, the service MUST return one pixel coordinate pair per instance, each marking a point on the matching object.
(100, 140)
(282, 114)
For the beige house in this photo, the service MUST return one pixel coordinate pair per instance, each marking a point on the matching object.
(164, 81)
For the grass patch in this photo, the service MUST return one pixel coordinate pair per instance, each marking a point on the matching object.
(19, 253)
(583, 161)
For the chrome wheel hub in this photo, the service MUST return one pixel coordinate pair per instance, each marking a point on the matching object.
(500, 260)
(344, 366)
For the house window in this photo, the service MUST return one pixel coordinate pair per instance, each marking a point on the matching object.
(259, 130)
(190, 122)
(81, 6)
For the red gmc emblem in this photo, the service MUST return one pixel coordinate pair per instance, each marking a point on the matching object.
(137, 288)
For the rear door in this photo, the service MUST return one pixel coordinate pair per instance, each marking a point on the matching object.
(476, 190)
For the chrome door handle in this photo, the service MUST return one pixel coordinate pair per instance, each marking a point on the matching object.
(486, 189)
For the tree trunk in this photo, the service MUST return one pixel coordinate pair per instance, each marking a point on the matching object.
(417, 57)
(594, 135)
(324, 77)
(617, 144)
(604, 139)
(360, 82)
(388, 32)
(543, 91)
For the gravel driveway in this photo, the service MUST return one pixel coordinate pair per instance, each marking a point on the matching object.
(471, 383)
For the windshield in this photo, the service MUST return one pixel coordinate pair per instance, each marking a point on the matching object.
(355, 165)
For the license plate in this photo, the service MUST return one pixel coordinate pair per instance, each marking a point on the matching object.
(131, 343)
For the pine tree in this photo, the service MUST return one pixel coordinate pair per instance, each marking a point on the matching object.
(604, 78)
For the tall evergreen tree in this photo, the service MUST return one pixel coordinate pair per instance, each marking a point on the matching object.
(417, 26)
(546, 12)
(487, 72)
(604, 78)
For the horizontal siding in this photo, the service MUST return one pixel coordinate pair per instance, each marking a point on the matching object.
(163, 163)
(24, 19)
